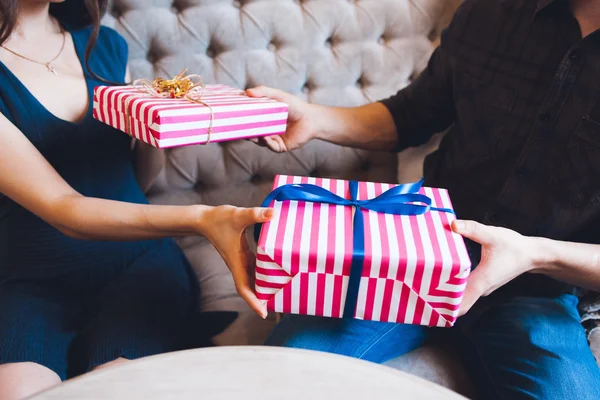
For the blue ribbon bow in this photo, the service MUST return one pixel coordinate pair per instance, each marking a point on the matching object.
(399, 200)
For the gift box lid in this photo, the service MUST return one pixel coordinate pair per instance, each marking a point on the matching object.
(166, 118)
(308, 247)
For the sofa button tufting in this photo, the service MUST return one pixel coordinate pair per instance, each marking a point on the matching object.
(116, 11)
(272, 47)
(381, 40)
(237, 4)
(211, 51)
(152, 57)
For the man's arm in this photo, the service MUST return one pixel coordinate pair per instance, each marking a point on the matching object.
(409, 118)
(574, 263)
(505, 254)
(369, 127)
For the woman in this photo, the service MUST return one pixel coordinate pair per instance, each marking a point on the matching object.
(88, 276)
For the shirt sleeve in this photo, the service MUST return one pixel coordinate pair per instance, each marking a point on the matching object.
(426, 106)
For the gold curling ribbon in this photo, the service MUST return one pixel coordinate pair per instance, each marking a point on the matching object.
(188, 87)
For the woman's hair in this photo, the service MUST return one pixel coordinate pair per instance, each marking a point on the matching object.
(75, 14)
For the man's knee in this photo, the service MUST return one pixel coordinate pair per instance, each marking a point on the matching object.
(534, 349)
(370, 340)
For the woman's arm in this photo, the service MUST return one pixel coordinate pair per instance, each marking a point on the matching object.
(28, 179)
(506, 254)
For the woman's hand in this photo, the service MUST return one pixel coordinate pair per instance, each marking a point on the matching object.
(505, 255)
(224, 227)
(300, 127)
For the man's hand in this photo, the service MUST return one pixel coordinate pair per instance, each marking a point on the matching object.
(300, 128)
(505, 255)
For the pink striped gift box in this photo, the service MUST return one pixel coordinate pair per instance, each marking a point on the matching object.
(415, 268)
(167, 122)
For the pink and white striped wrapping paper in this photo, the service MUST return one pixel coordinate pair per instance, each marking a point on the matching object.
(415, 267)
(166, 122)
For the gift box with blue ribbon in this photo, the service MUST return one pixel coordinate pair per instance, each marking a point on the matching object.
(373, 251)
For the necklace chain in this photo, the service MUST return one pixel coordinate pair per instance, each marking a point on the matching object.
(48, 64)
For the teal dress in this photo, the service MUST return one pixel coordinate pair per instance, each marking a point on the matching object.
(70, 304)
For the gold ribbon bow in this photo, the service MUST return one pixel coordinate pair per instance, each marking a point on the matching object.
(181, 86)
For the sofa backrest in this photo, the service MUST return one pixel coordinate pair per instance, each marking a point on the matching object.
(335, 52)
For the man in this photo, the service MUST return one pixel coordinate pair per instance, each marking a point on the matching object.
(518, 84)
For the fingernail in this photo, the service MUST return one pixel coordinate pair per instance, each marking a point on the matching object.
(459, 225)
(265, 313)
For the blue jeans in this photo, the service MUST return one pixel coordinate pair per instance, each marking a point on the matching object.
(520, 348)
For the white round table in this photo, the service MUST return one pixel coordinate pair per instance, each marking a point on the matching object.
(248, 373)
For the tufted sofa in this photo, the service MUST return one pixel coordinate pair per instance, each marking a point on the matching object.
(334, 52)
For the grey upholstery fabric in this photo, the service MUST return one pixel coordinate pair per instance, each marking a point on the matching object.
(334, 52)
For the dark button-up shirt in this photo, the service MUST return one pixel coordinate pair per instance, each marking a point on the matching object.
(519, 89)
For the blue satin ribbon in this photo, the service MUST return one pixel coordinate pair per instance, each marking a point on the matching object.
(398, 200)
